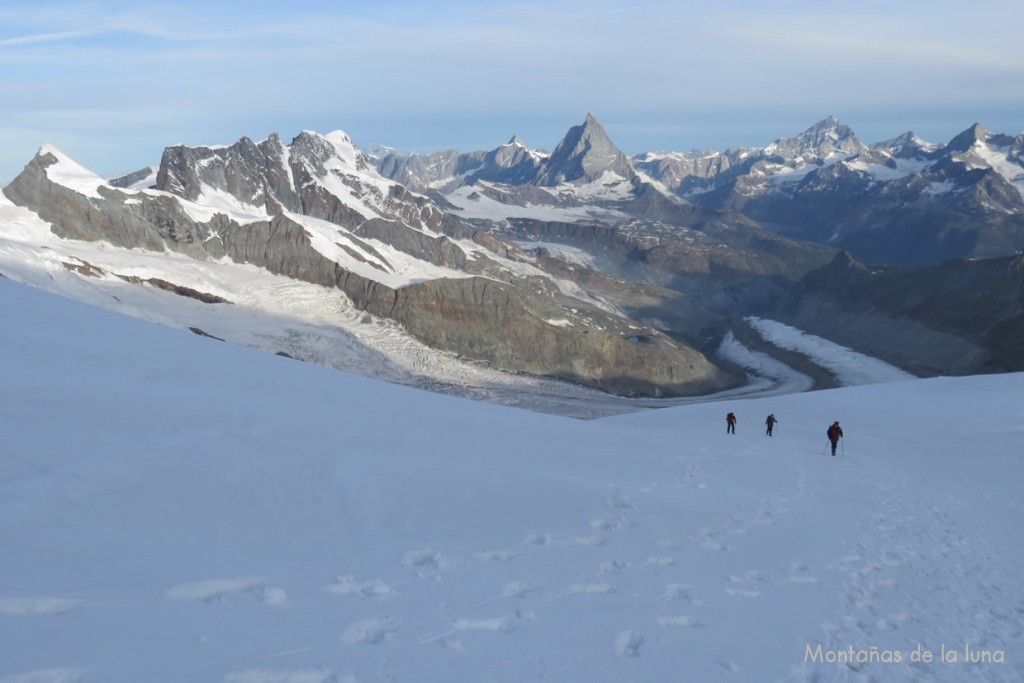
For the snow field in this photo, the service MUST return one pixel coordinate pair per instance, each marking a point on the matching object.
(173, 508)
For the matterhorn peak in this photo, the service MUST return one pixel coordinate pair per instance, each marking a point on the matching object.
(584, 155)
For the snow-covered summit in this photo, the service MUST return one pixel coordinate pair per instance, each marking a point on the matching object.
(65, 171)
(821, 141)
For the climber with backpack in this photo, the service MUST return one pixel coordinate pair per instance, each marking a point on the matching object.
(834, 433)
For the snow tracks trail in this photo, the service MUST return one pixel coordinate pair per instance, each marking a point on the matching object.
(177, 509)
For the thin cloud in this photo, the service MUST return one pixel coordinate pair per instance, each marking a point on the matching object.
(45, 38)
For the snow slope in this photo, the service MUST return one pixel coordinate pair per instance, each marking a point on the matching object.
(177, 509)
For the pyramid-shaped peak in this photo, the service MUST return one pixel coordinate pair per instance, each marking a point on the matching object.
(967, 139)
(584, 155)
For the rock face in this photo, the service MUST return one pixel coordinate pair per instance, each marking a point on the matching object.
(508, 321)
(960, 317)
(584, 156)
(513, 163)
(504, 326)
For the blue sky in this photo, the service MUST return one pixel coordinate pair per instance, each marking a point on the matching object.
(112, 83)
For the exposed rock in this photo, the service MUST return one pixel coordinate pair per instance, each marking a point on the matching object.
(202, 333)
(584, 155)
(961, 317)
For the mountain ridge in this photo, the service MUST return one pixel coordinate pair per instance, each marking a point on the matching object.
(316, 212)
(469, 258)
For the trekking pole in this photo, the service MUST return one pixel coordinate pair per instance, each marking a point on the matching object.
(842, 445)
(824, 448)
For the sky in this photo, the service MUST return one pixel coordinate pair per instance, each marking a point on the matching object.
(112, 83)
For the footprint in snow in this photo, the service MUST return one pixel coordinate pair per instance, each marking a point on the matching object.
(33, 607)
(370, 631)
(505, 624)
(745, 586)
(428, 560)
(682, 621)
(611, 567)
(497, 555)
(276, 676)
(713, 544)
(802, 579)
(47, 676)
(218, 590)
(675, 591)
(517, 589)
(373, 588)
(709, 540)
(512, 590)
(627, 643)
(590, 540)
(616, 500)
(537, 539)
(591, 589)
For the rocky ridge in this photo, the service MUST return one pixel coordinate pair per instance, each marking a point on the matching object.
(269, 205)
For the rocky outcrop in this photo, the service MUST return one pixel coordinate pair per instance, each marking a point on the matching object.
(506, 327)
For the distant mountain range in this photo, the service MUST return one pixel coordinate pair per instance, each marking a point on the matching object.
(902, 201)
(583, 264)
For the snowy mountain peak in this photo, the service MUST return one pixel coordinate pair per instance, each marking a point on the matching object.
(825, 138)
(335, 147)
(63, 170)
(378, 151)
(907, 146)
(512, 163)
(969, 138)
